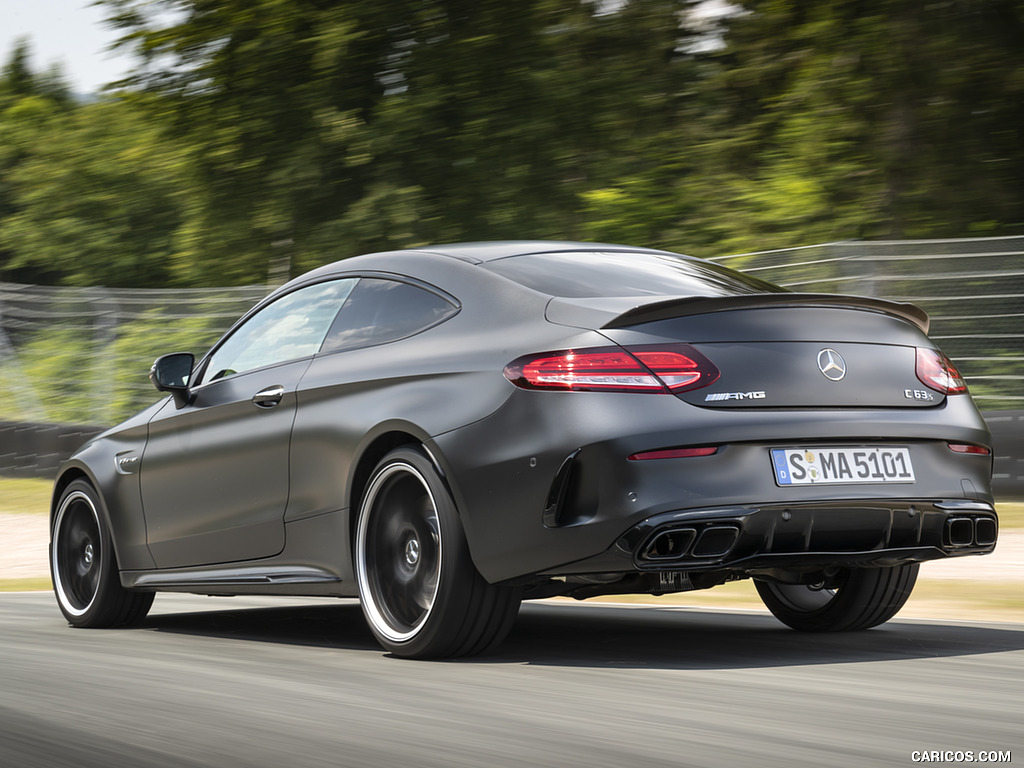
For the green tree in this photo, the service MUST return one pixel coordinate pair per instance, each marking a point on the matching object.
(18, 79)
(508, 115)
(321, 130)
(97, 197)
(268, 96)
(29, 103)
(839, 120)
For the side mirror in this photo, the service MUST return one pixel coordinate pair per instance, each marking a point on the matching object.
(172, 373)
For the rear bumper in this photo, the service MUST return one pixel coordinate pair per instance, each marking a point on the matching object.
(545, 483)
(799, 537)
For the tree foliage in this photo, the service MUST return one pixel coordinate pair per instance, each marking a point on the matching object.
(258, 138)
(845, 120)
(329, 129)
(97, 198)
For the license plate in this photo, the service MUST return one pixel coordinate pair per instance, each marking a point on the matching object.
(836, 466)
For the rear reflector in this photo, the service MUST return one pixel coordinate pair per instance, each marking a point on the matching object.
(937, 371)
(655, 368)
(965, 448)
(675, 453)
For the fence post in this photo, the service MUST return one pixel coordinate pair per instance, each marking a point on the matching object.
(105, 320)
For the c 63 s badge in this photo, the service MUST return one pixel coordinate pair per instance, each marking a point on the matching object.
(918, 394)
(715, 397)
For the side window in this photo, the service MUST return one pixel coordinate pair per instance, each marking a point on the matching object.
(379, 310)
(290, 328)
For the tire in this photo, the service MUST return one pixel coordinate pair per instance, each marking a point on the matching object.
(83, 566)
(860, 598)
(420, 592)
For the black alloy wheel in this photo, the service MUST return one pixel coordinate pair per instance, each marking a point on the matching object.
(421, 594)
(83, 567)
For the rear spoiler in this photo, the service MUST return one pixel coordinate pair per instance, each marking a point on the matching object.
(622, 312)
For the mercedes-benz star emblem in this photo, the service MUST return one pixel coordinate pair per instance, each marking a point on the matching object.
(831, 364)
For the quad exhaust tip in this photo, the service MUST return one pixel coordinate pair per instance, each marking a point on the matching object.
(970, 531)
(689, 543)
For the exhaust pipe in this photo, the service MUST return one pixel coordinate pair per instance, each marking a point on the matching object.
(716, 541)
(960, 531)
(985, 531)
(669, 545)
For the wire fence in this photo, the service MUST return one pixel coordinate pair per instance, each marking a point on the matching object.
(973, 289)
(81, 355)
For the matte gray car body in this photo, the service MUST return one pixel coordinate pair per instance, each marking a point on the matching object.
(252, 480)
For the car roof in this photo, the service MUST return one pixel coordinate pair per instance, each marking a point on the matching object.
(492, 251)
(472, 253)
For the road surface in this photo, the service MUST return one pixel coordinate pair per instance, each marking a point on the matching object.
(289, 683)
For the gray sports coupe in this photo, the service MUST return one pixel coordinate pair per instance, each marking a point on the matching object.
(444, 432)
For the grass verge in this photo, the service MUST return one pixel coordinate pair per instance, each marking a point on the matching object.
(932, 599)
(25, 496)
(41, 584)
(1011, 514)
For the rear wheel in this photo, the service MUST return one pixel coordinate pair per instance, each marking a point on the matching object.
(83, 566)
(421, 594)
(858, 598)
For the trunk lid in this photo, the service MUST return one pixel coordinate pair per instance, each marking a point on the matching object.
(779, 350)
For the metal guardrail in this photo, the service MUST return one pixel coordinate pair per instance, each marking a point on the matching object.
(81, 354)
(37, 450)
(1008, 446)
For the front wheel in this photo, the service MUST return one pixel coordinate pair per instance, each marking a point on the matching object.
(857, 598)
(421, 594)
(83, 566)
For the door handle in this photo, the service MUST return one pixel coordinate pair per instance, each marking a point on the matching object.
(269, 397)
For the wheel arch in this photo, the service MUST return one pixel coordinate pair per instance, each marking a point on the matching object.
(67, 476)
(376, 448)
(379, 446)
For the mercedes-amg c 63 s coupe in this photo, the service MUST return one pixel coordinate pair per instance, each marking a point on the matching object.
(444, 432)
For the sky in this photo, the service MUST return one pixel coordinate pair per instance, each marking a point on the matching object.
(69, 32)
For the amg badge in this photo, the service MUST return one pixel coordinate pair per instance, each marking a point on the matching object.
(718, 396)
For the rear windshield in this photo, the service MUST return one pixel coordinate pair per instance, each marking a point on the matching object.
(588, 274)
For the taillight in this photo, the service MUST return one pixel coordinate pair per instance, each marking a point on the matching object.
(937, 371)
(980, 450)
(655, 368)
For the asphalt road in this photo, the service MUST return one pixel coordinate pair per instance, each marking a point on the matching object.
(225, 682)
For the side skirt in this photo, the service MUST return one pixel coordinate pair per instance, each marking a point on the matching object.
(242, 580)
